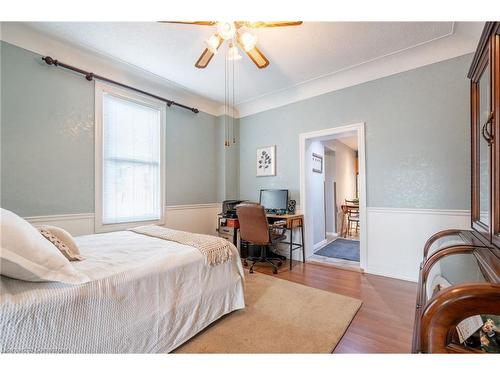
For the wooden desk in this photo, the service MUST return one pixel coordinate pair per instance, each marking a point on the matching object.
(293, 221)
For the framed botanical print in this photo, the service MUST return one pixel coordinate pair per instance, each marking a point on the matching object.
(266, 161)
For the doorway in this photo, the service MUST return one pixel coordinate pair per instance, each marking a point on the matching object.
(333, 195)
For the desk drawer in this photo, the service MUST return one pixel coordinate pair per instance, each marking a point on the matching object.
(226, 230)
(226, 236)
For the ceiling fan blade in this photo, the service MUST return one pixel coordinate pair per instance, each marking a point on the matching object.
(207, 55)
(256, 56)
(204, 59)
(199, 23)
(273, 24)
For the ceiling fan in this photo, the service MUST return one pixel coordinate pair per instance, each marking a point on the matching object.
(235, 33)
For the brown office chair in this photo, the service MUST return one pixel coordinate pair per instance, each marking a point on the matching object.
(255, 230)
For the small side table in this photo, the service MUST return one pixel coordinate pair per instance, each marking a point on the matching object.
(228, 229)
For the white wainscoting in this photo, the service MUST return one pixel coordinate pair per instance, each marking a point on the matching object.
(76, 224)
(198, 218)
(396, 237)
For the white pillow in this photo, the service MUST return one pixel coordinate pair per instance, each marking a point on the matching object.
(27, 255)
(61, 239)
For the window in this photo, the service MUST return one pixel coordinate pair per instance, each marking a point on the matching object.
(130, 163)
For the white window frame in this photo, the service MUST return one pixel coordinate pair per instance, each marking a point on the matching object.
(101, 89)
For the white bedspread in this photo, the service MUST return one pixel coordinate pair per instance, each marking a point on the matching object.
(147, 296)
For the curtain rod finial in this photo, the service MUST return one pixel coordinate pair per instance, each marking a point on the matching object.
(49, 60)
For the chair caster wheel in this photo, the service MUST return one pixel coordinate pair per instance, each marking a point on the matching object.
(251, 271)
(275, 271)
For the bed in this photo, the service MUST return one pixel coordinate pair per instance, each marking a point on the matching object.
(146, 295)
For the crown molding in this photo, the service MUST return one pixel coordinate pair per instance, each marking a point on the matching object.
(86, 58)
(228, 110)
(460, 41)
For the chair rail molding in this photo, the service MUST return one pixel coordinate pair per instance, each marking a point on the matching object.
(419, 211)
(198, 218)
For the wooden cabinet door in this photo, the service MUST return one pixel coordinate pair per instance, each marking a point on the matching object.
(482, 116)
(495, 45)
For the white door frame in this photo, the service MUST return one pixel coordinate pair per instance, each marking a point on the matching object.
(303, 137)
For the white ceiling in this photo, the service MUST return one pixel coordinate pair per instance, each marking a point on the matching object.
(348, 138)
(297, 54)
(351, 142)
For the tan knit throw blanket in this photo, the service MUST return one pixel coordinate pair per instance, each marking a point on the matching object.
(216, 250)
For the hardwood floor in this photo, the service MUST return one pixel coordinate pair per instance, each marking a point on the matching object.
(384, 322)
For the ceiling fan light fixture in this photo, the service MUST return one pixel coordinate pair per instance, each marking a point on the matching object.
(233, 53)
(226, 30)
(212, 44)
(233, 32)
(248, 41)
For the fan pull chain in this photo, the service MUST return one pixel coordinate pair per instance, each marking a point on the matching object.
(230, 103)
(226, 143)
(229, 100)
(230, 85)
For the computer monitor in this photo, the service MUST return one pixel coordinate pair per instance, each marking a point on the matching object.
(274, 200)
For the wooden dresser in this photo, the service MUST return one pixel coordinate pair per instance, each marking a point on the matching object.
(458, 301)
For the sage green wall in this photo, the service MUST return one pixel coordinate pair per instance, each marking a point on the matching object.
(47, 142)
(417, 140)
(417, 137)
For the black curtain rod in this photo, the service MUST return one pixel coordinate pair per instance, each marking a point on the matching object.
(89, 76)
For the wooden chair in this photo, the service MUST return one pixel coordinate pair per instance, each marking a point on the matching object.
(352, 211)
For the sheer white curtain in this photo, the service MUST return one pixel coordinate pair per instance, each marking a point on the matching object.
(131, 163)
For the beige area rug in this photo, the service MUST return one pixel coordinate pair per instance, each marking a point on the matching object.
(280, 317)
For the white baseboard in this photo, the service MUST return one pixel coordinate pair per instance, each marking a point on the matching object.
(391, 275)
(198, 218)
(319, 245)
(396, 237)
